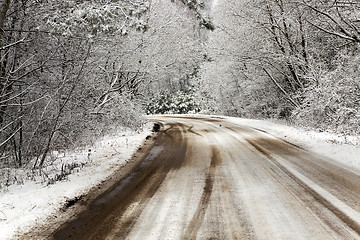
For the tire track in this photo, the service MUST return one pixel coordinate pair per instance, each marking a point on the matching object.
(104, 213)
(346, 218)
(301, 190)
(198, 218)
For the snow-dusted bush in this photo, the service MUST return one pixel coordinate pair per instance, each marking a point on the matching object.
(95, 18)
(332, 100)
(168, 103)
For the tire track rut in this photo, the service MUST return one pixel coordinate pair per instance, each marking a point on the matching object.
(348, 220)
(198, 218)
(105, 211)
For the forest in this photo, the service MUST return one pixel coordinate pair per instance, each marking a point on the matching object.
(72, 71)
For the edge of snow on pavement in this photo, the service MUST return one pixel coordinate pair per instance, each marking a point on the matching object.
(338, 149)
(24, 206)
(341, 150)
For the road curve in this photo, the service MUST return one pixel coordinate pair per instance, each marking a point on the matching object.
(206, 178)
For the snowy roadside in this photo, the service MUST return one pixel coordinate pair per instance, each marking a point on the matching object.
(24, 206)
(338, 149)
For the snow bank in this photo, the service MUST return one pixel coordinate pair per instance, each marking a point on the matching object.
(23, 206)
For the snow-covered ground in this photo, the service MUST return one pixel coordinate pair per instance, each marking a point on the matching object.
(342, 150)
(23, 206)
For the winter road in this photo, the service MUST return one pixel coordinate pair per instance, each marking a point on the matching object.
(206, 178)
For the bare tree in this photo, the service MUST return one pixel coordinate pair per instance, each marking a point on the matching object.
(46, 51)
(337, 18)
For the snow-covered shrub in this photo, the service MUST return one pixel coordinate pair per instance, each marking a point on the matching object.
(168, 103)
(332, 100)
(94, 18)
(159, 103)
(185, 103)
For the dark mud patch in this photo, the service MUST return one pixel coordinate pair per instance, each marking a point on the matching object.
(71, 202)
(156, 127)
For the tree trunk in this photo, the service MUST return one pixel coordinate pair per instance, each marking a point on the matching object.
(5, 8)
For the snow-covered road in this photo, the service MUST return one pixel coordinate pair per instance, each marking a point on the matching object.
(209, 178)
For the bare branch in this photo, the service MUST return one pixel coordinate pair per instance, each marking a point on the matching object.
(334, 33)
(351, 25)
(13, 134)
(27, 103)
(9, 124)
(280, 88)
(347, 35)
(26, 31)
(12, 44)
(17, 95)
